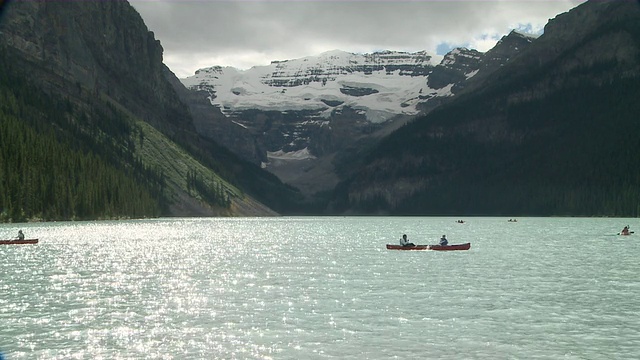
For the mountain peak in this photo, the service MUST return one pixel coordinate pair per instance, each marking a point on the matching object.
(519, 34)
(380, 85)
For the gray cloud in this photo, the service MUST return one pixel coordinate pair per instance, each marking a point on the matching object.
(244, 33)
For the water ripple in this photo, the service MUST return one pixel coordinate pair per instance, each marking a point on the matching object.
(290, 288)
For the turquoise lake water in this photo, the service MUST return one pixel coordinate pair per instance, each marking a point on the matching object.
(321, 288)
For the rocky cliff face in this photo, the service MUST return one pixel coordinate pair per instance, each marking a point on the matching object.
(596, 35)
(456, 67)
(210, 123)
(102, 47)
(98, 52)
(507, 49)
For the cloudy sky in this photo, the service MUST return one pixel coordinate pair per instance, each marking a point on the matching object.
(243, 33)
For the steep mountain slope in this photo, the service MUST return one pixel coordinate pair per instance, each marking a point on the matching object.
(307, 111)
(100, 60)
(210, 123)
(552, 132)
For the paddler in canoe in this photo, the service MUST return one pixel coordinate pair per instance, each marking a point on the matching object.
(405, 242)
(443, 240)
(625, 231)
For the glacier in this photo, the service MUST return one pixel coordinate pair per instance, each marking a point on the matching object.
(380, 85)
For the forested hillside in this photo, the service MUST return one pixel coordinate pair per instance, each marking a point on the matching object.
(554, 132)
(59, 161)
(583, 160)
(92, 127)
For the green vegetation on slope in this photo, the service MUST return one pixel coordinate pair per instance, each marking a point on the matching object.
(181, 171)
(83, 158)
(54, 161)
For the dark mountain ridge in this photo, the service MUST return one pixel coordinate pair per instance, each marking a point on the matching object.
(552, 132)
(61, 41)
(99, 62)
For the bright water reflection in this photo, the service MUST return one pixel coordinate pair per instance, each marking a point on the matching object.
(317, 288)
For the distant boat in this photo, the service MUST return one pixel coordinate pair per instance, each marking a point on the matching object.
(465, 246)
(18, 242)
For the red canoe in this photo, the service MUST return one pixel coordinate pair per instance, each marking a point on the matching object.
(465, 246)
(18, 242)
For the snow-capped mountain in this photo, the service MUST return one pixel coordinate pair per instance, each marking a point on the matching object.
(303, 111)
(379, 85)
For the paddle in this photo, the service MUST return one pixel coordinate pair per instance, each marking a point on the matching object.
(630, 232)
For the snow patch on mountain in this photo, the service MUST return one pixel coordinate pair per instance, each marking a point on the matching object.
(292, 155)
(454, 55)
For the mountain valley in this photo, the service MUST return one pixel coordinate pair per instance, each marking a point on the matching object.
(304, 113)
(93, 125)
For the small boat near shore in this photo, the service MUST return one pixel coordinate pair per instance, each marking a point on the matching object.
(465, 246)
(18, 242)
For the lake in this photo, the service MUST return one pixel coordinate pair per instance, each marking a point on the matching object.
(321, 288)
